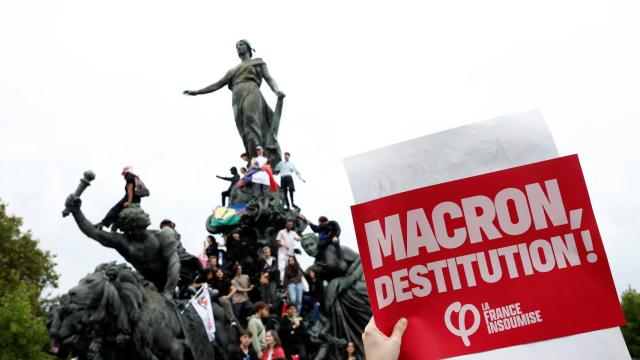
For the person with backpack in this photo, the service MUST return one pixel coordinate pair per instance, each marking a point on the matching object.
(134, 189)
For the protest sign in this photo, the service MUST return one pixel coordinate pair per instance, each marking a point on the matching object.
(490, 261)
(469, 150)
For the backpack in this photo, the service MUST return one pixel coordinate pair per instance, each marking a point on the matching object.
(140, 189)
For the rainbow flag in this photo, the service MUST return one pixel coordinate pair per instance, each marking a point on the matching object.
(227, 215)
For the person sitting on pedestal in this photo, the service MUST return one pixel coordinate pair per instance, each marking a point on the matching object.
(130, 197)
(328, 233)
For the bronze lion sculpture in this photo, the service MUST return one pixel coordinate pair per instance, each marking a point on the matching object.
(113, 313)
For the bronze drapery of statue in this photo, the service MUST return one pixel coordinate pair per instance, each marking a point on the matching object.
(256, 122)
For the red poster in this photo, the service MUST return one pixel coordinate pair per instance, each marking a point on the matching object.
(487, 262)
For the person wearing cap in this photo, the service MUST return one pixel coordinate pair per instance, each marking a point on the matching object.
(129, 198)
(259, 178)
(233, 179)
(256, 326)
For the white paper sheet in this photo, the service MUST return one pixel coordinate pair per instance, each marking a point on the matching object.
(465, 151)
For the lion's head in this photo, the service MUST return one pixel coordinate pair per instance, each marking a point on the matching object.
(106, 302)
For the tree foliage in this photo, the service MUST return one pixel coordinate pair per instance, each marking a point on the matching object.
(630, 303)
(23, 335)
(26, 271)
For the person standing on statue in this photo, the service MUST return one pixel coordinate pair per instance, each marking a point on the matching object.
(256, 122)
(260, 179)
(286, 169)
(233, 179)
(130, 197)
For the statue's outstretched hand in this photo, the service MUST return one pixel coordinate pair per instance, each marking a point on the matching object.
(190, 92)
(280, 94)
(73, 203)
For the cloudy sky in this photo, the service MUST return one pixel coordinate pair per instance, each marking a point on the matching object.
(89, 85)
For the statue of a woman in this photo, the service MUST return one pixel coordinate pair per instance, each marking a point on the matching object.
(256, 122)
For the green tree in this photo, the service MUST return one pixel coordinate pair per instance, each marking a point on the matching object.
(630, 303)
(26, 271)
(22, 334)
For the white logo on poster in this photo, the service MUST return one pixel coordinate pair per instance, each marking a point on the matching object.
(462, 311)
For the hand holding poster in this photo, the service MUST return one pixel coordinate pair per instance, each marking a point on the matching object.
(489, 261)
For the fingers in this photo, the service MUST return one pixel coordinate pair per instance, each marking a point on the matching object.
(399, 329)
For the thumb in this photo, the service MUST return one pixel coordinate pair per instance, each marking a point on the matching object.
(398, 329)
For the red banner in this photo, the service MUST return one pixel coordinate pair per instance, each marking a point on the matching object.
(487, 262)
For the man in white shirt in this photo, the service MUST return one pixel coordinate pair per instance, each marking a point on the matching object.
(286, 169)
(286, 240)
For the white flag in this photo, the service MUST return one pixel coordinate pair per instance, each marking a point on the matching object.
(202, 303)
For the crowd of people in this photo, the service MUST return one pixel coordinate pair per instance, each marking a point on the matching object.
(270, 299)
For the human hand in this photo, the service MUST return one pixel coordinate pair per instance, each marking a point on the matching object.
(280, 94)
(335, 239)
(264, 278)
(378, 346)
(126, 204)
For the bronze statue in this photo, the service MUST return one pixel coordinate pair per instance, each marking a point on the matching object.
(153, 253)
(256, 122)
(111, 312)
(346, 300)
(114, 313)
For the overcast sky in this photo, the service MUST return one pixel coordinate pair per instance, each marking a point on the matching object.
(97, 85)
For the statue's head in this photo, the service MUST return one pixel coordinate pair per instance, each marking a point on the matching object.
(310, 244)
(243, 47)
(133, 219)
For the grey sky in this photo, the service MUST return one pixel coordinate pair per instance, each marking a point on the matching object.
(98, 86)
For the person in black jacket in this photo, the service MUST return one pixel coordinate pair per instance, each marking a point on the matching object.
(328, 234)
(130, 197)
(293, 333)
(212, 246)
(245, 350)
(315, 295)
(233, 179)
(269, 275)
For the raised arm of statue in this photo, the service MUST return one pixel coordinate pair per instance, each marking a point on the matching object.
(173, 275)
(271, 82)
(108, 239)
(213, 87)
(169, 249)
